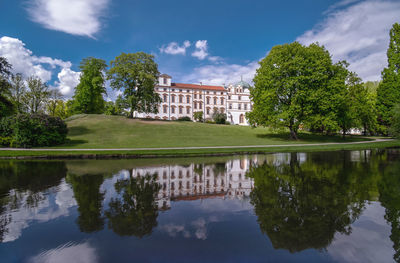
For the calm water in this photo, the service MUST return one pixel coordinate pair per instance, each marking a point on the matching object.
(291, 207)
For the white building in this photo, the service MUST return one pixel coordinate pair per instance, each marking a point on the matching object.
(183, 100)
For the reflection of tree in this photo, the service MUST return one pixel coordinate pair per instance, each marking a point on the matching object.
(136, 212)
(389, 190)
(89, 198)
(301, 206)
(219, 169)
(25, 180)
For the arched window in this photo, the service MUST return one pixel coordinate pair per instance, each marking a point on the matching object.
(187, 99)
(172, 98)
(208, 100)
(222, 101)
(172, 109)
(241, 118)
(208, 110)
(187, 110)
(215, 100)
(180, 109)
(164, 108)
(165, 97)
(180, 98)
(195, 105)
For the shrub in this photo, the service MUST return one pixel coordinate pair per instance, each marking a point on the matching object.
(186, 118)
(395, 126)
(198, 116)
(210, 121)
(219, 117)
(28, 130)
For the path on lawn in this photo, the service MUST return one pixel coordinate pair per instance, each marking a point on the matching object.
(192, 148)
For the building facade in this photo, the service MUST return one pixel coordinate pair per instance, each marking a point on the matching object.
(183, 100)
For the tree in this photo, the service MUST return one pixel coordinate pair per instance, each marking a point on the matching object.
(115, 108)
(389, 90)
(136, 75)
(37, 95)
(18, 91)
(88, 97)
(219, 117)
(6, 106)
(55, 97)
(292, 87)
(198, 116)
(395, 128)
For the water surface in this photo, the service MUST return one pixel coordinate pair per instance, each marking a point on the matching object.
(341, 206)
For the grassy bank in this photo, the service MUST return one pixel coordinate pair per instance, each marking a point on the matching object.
(192, 152)
(115, 132)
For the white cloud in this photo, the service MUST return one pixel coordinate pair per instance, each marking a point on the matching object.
(173, 48)
(23, 61)
(359, 33)
(76, 17)
(201, 51)
(222, 73)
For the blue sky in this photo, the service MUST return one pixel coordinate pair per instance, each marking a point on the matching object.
(212, 41)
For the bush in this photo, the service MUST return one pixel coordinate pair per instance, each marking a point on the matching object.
(198, 116)
(219, 117)
(29, 130)
(395, 126)
(186, 118)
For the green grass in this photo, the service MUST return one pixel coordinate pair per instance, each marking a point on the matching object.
(102, 131)
(107, 132)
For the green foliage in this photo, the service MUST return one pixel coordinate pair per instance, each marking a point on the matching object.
(115, 108)
(219, 117)
(198, 116)
(395, 127)
(136, 75)
(18, 93)
(88, 97)
(293, 86)
(6, 106)
(185, 118)
(389, 89)
(29, 130)
(37, 95)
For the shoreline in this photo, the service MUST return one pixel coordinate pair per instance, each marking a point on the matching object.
(176, 152)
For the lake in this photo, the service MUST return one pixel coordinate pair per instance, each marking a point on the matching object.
(341, 206)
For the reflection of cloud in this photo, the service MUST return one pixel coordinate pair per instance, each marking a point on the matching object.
(43, 212)
(201, 228)
(369, 240)
(67, 253)
(174, 230)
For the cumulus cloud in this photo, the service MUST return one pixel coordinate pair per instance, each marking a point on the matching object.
(76, 17)
(222, 73)
(357, 31)
(23, 61)
(174, 48)
(201, 51)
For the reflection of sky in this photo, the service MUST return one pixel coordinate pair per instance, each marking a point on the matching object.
(51, 206)
(369, 240)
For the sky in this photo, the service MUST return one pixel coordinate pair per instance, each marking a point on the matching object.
(215, 42)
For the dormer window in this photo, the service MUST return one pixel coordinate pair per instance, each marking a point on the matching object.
(165, 81)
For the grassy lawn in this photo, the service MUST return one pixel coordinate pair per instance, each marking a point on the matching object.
(102, 131)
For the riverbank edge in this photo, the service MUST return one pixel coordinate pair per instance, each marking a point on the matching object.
(136, 154)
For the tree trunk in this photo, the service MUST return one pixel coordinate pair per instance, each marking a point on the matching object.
(130, 114)
(344, 133)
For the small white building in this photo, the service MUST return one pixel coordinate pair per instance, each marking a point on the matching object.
(239, 103)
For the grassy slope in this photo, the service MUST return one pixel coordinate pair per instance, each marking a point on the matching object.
(101, 131)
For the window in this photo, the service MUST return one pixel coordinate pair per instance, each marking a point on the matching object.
(172, 109)
(172, 89)
(180, 90)
(222, 101)
(239, 106)
(195, 96)
(200, 96)
(165, 97)
(187, 110)
(222, 93)
(245, 106)
(241, 118)
(208, 92)
(229, 97)
(180, 98)
(187, 91)
(215, 100)
(200, 105)
(208, 110)
(239, 98)
(230, 106)
(208, 100)
(180, 110)
(165, 89)
(215, 92)
(173, 98)
(165, 80)
(187, 99)
(164, 108)
(195, 105)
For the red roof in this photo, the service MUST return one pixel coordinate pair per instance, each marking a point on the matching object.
(195, 86)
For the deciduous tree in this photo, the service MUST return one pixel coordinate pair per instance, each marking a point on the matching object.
(136, 75)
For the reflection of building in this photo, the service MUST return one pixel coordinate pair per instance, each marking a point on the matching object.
(183, 100)
(198, 181)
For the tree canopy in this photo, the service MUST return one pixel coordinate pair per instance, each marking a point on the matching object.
(136, 75)
(6, 106)
(389, 89)
(88, 97)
